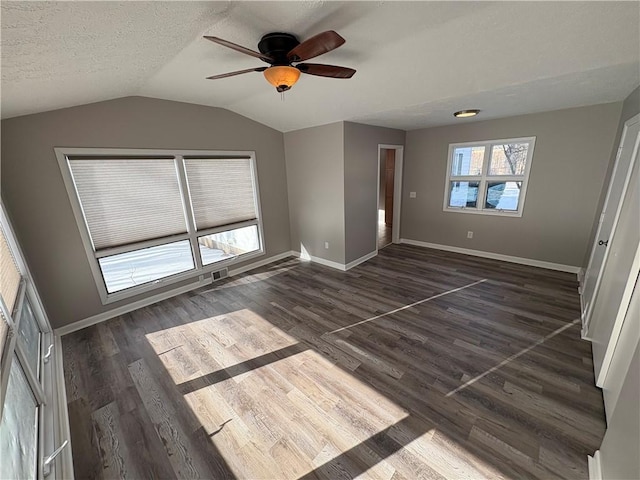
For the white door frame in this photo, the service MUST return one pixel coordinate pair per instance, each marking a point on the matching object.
(397, 190)
(587, 305)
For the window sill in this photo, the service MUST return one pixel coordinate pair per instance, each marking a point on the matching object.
(473, 211)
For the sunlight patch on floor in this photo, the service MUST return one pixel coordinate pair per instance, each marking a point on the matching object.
(205, 346)
(268, 414)
(436, 452)
(271, 404)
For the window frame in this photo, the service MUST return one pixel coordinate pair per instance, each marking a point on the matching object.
(52, 422)
(484, 178)
(192, 234)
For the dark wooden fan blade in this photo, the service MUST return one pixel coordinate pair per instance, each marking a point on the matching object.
(240, 48)
(325, 70)
(322, 43)
(237, 72)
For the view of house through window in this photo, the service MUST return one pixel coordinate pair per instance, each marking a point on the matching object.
(488, 177)
(228, 244)
(137, 267)
(151, 219)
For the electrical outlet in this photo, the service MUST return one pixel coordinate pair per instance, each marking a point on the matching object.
(412, 194)
(469, 234)
(326, 245)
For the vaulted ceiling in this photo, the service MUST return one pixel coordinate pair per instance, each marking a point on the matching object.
(416, 62)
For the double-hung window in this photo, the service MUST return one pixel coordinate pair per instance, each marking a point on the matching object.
(31, 425)
(149, 218)
(488, 177)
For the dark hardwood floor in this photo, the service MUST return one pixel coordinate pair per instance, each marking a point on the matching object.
(384, 235)
(415, 364)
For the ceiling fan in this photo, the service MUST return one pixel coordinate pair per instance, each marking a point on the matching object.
(282, 50)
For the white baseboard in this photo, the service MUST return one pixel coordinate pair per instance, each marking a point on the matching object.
(130, 307)
(338, 266)
(321, 261)
(101, 317)
(495, 256)
(595, 468)
(360, 260)
(584, 331)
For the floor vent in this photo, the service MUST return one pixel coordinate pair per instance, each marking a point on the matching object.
(215, 276)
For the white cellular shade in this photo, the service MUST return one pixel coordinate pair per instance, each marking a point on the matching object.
(128, 200)
(9, 279)
(9, 285)
(222, 191)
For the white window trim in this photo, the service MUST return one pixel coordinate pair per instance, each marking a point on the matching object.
(484, 177)
(191, 235)
(49, 389)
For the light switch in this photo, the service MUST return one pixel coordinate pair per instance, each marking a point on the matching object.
(412, 194)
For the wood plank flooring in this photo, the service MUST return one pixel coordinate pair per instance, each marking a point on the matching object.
(384, 235)
(415, 364)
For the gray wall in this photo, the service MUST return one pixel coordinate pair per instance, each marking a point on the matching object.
(630, 108)
(39, 208)
(570, 161)
(315, 179)
(361, 184)
(621, 443)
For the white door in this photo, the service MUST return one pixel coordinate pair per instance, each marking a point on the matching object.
(608, 218)
(618, 278)
(622, 355)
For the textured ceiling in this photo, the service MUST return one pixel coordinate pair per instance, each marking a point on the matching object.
(416, 62)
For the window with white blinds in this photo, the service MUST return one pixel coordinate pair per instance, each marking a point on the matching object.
(28, 388)
(151, 218)
(9, 276)
(221, 191)
(9, 286)
(125, 201)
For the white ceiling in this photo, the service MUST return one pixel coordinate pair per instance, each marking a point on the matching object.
(416, 62)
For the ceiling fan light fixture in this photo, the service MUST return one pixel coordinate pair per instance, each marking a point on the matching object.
(282, 77)
(466, 113)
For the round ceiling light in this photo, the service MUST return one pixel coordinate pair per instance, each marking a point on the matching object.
(466, 113)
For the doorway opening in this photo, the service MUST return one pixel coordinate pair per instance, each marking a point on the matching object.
(388, 201)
